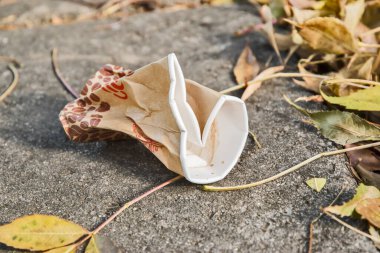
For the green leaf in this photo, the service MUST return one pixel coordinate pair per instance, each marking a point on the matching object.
(341, 127)
(362, 100)
(40, 232)
(362, 192)
(101, 244)
(316, 183)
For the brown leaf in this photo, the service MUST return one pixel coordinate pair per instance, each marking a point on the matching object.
(253, 87)
(246, 67)
(309, 83)
(303, 15)
(369, 209)
(353, 14)
(366, 163)
(328, 34)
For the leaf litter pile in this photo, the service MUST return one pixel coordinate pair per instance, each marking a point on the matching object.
(338, 51)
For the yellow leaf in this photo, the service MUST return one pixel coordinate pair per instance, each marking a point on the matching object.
(369, 209)
(246, 67)
(40, 232)
(328, 35)
(101, 244)
(316, 183)
(256, 85)
(362, 192)
(67, 249)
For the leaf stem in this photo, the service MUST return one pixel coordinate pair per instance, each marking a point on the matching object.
(351, 227)
(54, 61)
(277, 75)
(135, 200)
(125, 206)
(13, 84)
(290, 170)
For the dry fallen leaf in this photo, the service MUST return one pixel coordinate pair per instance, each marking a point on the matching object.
(362, 192)
(40, 232)
(328, 34)
(362, 100)
(67, 249)
(246, 67)
(369, 209)
(366, 164)
(340, 127)
(268, 29)
(256, 85)
(309, 83)
(316, 183)
(353, 14)
(101, 244)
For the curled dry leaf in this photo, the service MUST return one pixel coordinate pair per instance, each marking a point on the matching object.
(366, 164)
(246, 67)
(341, 127)
(362, 100)
(309, 83)
(40, 232)
(101, 244)
(316, 183)
(369, 209)
(251, 88)
(362, 192)
(327, 34)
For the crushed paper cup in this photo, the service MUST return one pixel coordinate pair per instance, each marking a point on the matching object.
(193, 130)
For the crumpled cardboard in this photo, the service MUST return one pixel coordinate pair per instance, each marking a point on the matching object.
(193, 130)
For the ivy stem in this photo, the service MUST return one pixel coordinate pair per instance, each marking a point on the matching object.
(258, 80)
(285, 172)
(125, 206)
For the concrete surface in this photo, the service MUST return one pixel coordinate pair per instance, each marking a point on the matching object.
(42, 172)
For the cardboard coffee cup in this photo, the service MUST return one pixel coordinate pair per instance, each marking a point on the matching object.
(193, 130)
